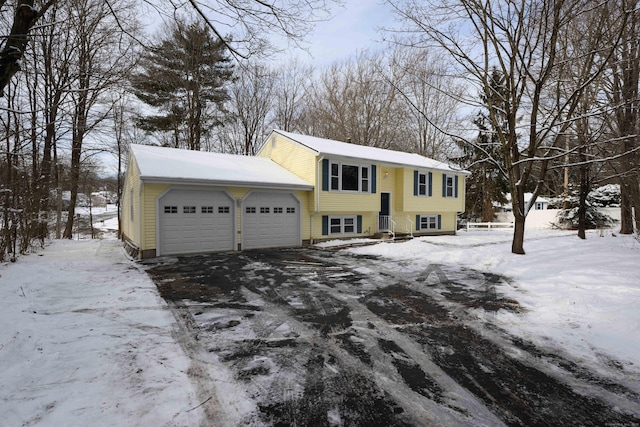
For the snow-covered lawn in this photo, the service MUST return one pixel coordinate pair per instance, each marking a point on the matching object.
(581, 295)
(86, 339)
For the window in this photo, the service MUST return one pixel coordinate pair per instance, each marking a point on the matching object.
(449, 184)
(429, 222)
(539, 206)
(223, 209)
(364, 187)
(206, 209)
(170, 209)
(350, 178)
(422, 184)
(335, 176)
(278, 210)
(264, 210)
(189, 209)
(342, 225)
(250, 209)
(291, 210)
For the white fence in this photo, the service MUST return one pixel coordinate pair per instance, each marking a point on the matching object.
(546, 218)
(488, 225)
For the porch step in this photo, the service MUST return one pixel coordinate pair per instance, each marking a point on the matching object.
(400, 237)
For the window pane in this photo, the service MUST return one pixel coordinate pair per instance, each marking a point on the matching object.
(334, 169)
(350, 178)
(335, 183)
(449, 186)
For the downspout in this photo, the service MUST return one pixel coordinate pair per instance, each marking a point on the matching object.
(318, 189)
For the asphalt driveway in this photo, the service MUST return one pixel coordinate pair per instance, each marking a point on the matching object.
(324, 338)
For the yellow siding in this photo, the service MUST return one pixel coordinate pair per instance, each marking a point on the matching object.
(435, 203)
(129, 226)
(293, 157)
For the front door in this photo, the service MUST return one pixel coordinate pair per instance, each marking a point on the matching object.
(385, 204)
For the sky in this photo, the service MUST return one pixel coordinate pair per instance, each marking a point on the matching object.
(354, 27)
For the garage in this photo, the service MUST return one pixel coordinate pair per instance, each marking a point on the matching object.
(192, 221)
(270, 219)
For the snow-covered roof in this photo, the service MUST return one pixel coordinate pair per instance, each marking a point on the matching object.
(329, 147)
(162, 164)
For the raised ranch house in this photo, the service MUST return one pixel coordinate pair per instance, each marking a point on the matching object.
(298, 189)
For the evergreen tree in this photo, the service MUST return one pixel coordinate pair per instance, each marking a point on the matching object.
(183, 76)
(487, 185)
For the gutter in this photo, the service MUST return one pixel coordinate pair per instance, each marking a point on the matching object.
(219, 183)
(318, 190)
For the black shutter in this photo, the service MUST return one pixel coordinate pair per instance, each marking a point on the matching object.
(325, 175)
(373, 178)
(415, 183)
(325, 225)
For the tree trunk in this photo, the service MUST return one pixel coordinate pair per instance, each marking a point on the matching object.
(584, 191)
(517, 245)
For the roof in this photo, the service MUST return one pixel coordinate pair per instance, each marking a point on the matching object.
(328, 147)
(162, 164)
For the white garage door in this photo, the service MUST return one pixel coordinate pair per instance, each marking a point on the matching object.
(192, 221)
(270, 220)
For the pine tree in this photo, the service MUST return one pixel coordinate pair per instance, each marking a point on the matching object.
(487, 185)
(183, 76)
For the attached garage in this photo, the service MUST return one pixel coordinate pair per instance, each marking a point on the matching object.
(186, 202)
(192, 221)
(270, 219)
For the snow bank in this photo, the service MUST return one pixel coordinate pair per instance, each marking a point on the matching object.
(580, 295)
(86, 340)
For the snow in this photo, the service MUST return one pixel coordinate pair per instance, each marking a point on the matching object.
(161, 164)
(86, 340)
(328, 147)
(581, 296)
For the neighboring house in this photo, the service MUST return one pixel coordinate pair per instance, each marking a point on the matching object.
(541, 203)
(298, 189)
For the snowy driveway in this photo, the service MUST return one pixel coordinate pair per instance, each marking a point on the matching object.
(311, 337)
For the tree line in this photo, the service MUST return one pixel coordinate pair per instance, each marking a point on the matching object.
(536, 97)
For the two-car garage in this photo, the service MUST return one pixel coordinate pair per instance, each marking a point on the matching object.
(199, 220)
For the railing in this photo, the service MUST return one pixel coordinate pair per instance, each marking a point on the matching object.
(488, 225)
(386, 224)
(409, 226)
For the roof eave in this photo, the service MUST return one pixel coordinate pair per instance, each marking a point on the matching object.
(222, 183)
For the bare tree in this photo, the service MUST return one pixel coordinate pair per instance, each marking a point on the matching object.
(26, 15)
(352, 101)
(290, 94)
(98, 67)
(521, 40)
(250, 105)
(422, 80)
(625, 118)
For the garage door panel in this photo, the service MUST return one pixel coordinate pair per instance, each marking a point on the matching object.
(271, 220)
(195, 221)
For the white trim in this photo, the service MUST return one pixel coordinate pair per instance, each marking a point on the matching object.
(360, 167)
(342, 225)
